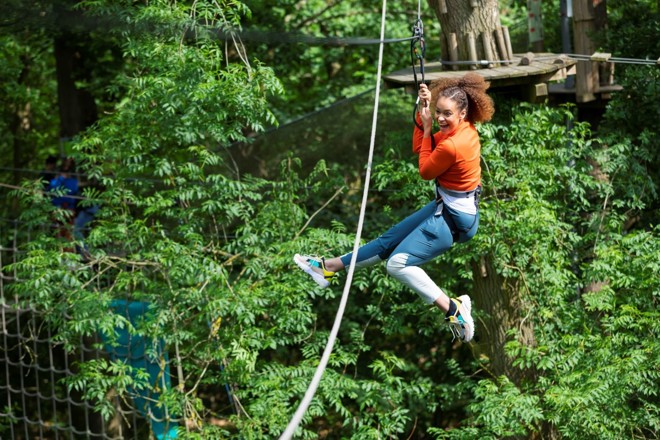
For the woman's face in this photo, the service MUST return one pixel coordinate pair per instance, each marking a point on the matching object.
(447, 114)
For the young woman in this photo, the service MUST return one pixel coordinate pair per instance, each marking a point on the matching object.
(451, 157)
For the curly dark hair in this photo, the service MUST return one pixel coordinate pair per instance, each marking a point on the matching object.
(469, 93)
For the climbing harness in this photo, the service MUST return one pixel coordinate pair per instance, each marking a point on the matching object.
(459, 194)
(440, 211)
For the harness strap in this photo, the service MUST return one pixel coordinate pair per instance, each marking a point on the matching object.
(464, 194)
(453, 227)
(455, 232)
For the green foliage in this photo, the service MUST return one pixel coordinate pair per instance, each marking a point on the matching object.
(503, 410)
(602, 382)
(595, 352)
(97, 376)
(210, 247)
(630, 146)
(315, 76)
(28, 131)
(538, 192)
(631, 41)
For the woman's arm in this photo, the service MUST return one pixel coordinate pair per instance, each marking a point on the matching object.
(433, 163)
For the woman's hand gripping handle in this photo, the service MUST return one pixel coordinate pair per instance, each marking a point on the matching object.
(424, 95)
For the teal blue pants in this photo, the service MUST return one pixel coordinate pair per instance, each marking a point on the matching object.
(416, 240)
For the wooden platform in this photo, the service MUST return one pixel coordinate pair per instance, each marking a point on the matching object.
(533, 72)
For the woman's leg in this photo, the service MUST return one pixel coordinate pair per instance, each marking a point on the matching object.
(381, 248)
(432, 238)
(466, 224)
(323, 270)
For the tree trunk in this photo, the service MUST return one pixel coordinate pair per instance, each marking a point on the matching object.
(499, 299)
(471, 32)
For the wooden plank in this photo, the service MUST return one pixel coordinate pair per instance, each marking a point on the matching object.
(601, 56)
(536, 92)
(542, 62)
(514, 71)
(562, 73)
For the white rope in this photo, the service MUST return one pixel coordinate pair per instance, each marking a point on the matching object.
(311, 390)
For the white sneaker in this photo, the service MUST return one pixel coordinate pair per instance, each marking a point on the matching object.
(315, 267)
(461, 323)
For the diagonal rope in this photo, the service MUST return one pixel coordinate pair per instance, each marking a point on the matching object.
(311, 390)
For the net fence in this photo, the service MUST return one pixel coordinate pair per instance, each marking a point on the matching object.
(35, 401)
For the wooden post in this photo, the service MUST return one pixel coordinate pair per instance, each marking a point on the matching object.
(453, 50)
(601, 56)
(486, 40)
(536, 92)
(586, 78)
(605, 69)
(507, 41)
(442, 6)
(501, 47)
(472, 48)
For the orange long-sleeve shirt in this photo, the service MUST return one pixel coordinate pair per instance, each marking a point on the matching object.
(455, 162)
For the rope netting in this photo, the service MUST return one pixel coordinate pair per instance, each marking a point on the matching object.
(35, 401)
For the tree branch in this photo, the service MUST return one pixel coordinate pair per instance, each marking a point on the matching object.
(318, 210)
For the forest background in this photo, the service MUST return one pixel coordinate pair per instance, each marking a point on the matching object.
(214, 159)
